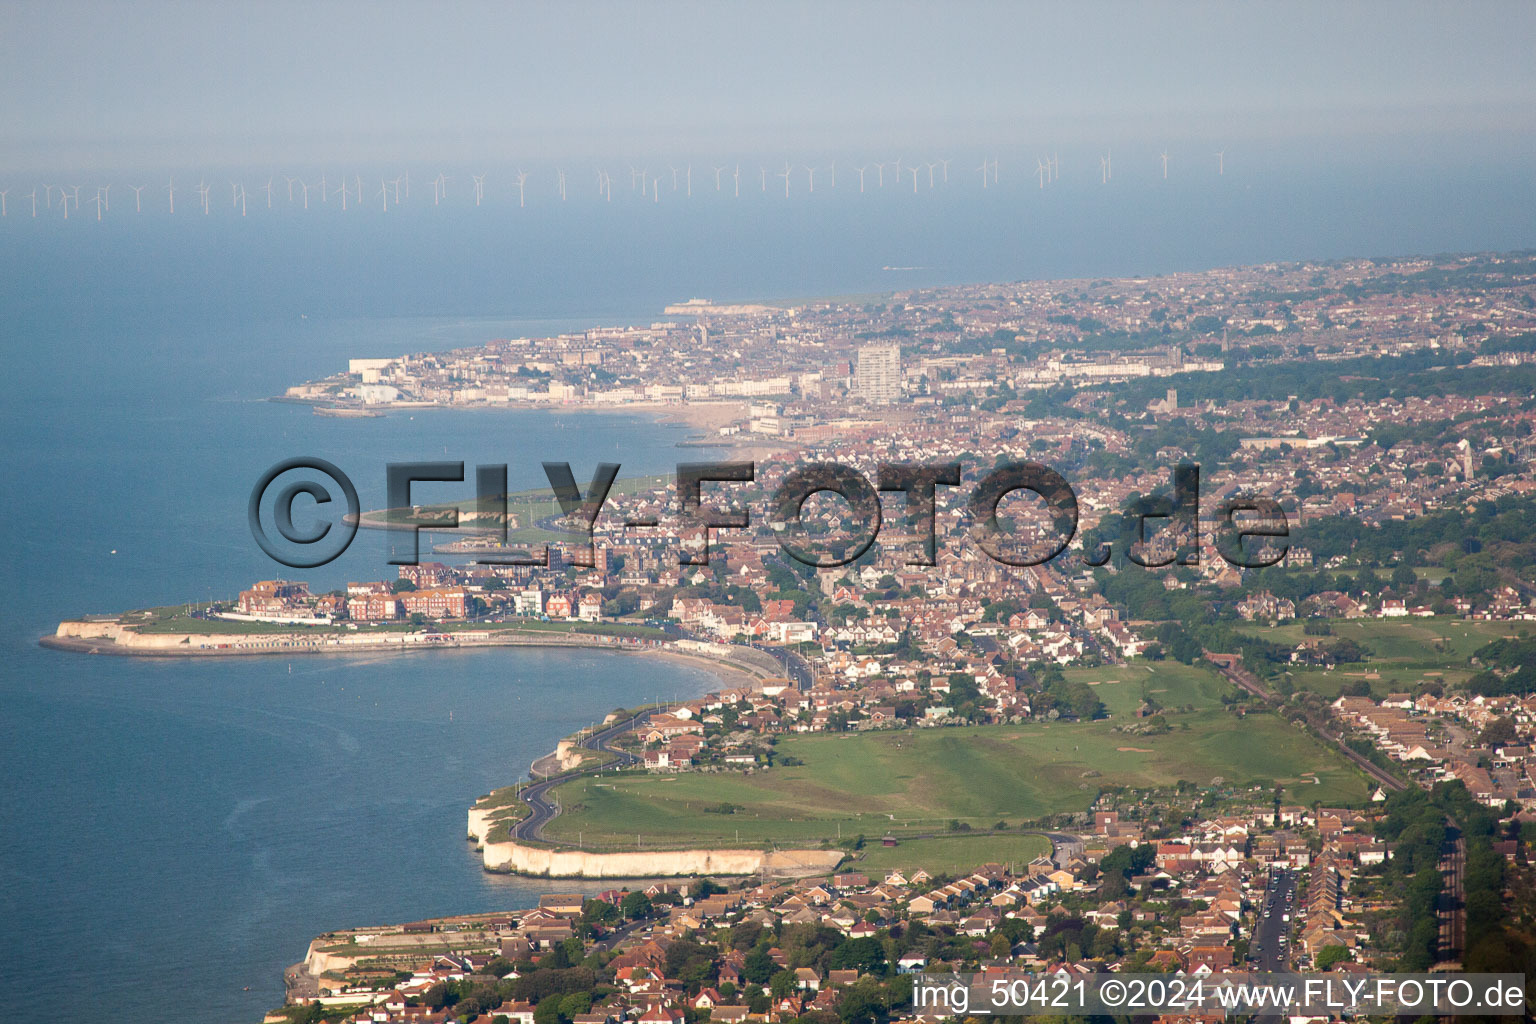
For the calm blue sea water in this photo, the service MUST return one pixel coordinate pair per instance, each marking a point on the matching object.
(172, 832)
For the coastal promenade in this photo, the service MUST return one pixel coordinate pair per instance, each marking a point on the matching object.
(733, 664)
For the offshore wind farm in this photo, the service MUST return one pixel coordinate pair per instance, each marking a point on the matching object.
(664, 181)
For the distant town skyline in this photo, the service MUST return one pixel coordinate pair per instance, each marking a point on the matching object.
(96, 85)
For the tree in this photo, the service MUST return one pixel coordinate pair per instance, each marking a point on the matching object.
(759, 966)
(866, 954)
(599, 912)
(548, 1010)
(636, 905)
(1330, 955)
(1498, 733)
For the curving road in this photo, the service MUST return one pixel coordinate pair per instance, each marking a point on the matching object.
(540, 810)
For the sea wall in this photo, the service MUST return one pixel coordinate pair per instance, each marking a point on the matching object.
(532, 860)
(516, 858)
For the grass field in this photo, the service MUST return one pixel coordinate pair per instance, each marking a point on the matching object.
(948, 855)
(1404, 652)
(175, 620)
(914, 782)
(1171, 684)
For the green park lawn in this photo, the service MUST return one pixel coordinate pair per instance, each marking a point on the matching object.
(949, 855)
(1404, 652)
(914, 782)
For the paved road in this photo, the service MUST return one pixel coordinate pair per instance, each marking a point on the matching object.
(795, 666)
(1266, 948)
(1451, 911)
(541, 810)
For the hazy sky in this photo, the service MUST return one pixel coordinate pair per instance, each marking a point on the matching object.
(133, 83)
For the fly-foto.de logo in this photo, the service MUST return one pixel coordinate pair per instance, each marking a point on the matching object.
(289, 486)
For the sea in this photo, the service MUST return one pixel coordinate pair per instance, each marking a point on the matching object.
(174, 832)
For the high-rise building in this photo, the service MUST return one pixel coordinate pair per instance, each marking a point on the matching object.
(877, 377)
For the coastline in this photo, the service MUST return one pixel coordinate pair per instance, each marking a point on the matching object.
(705, 416)
(106, 640)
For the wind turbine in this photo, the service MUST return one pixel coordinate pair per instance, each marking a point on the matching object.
(674, 176)
(267, 188)
(170, 191)
(1055, 166)
(1103, 172)
(560, 181)
(764, 171)
(106, 197)
(914, 179)
(202, 193)
(384, 193)
(945, 165)
(138, 202)
(407, 187)
(689, 177)
(861, 171)
(983, 170)
(323, 190)
(880, 170)
(395, 184)
(655, 190)
(290, 182)
(1221, 162)
(359, 179)
(33, 196)
(811, 175)
(3, 192)
(634, 175)
(479, 180)
(930, 172)
(833, 169)
(1040, 170)
(242, 200)
(305, 186)
(522, 180)
(1165, 164)
(785, 175)
(717, 177)
(98, 201)
(736, 181)
(48, 195)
